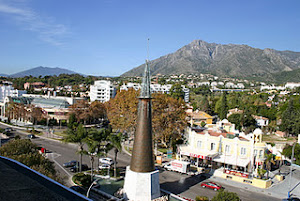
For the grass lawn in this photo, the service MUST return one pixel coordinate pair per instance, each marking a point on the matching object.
(163, 150)
(61, 132)
(275, 138)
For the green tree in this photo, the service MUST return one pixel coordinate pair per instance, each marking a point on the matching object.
(72, 122)
(115, 141)
(27, 153)
(78, 136)
(290, 119)
(269, 160)
(99, 139)
(176, 91)
(247, 120)
(201, 103)
(204, 90)
(221, 107)
(236, 119)
(225, 196)
(287, 151)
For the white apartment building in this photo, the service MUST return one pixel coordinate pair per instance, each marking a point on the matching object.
(292, 85)
(6, 89)
(157, 88)
(102, 91)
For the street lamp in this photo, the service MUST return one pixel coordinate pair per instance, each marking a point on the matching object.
(292, 158)
(93, 183)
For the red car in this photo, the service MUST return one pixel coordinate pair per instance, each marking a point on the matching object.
(211, 185)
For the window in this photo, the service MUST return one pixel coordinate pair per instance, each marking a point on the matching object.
(260, 154)
(243, 151)
(199, 143)
(212, 146)
(227, 149)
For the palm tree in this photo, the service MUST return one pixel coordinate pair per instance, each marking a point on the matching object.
(115, 142)
(268, 161)
(77, 135)
(92, 151)
(100, 137)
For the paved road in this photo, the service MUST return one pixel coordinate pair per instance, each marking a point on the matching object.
(187, 186)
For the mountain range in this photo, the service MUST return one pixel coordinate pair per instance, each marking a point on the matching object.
(42, 71)
(229, 60)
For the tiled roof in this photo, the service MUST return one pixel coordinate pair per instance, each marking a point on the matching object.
(214, 133)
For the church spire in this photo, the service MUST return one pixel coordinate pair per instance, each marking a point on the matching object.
(142, 159)
(145, 88)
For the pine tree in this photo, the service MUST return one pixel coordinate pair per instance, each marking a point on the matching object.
(223, 107)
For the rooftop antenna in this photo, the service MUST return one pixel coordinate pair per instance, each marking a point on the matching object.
(145, 90)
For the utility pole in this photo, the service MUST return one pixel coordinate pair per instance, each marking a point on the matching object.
(292, 158)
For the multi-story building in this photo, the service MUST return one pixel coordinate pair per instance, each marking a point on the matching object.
(219, 148)
(39, 85)
(102, 91)
(292, 85)
(158, 88)
(6, 89)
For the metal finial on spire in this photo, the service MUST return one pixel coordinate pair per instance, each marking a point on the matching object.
(145, 87)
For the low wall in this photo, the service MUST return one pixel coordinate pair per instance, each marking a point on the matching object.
(260, 183)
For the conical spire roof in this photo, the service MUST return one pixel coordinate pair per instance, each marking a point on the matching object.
(145, 87)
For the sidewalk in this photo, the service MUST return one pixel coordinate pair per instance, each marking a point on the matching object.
(43, 134)
(278, 189)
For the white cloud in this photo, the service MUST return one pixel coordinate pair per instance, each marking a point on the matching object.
(28, 19)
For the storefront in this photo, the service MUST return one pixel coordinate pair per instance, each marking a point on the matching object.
(198, 160)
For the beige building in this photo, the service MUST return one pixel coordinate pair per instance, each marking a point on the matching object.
(197, 117)
(219, 148)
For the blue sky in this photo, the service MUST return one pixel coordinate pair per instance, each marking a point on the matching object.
(109, 37)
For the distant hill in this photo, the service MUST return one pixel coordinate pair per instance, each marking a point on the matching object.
(223, 60)
(42, 71)
(3, 75)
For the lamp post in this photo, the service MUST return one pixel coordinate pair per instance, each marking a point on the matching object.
(93, 183)
(292, 158)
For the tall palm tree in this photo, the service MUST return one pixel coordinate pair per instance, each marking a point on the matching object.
(268, 161)
(98, 140)
(91, 152)
(77, 135)
(116, 143)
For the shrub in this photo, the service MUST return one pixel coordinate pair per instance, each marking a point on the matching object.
(82, 179)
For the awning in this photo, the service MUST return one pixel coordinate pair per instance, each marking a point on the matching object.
(192, 153)
(232, 160)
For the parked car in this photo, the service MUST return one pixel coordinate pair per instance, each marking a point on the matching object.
(70, 163)
(31, 136)
(7, 131)
(211, 185)
(84, 167)
(106, 161)
(104, 166)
